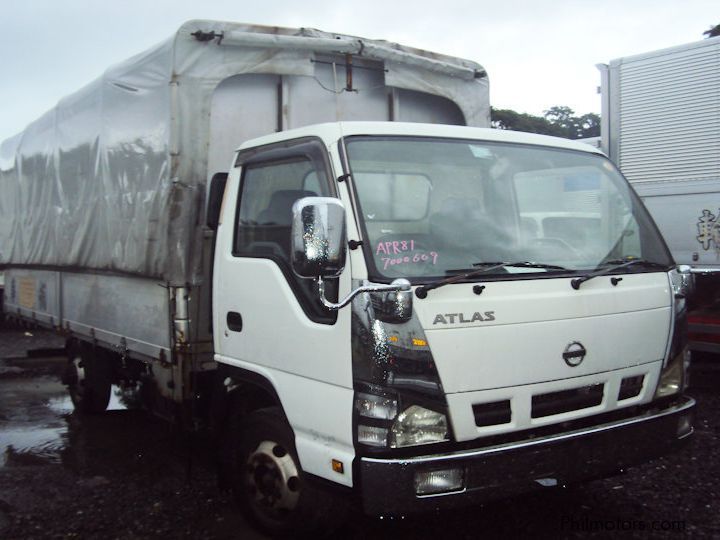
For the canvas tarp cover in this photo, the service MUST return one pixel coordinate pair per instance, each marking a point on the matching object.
(113, 178)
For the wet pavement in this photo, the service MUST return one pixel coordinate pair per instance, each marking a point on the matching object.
(37, 430)
(126, 475)
(33, 403)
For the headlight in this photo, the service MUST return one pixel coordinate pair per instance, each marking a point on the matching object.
(375, 414)
(380, 423)
(372, 435)
(372, 406)
(672, 378)
(673, 375)
(418, 425)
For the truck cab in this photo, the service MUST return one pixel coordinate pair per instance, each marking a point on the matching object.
(420, 340)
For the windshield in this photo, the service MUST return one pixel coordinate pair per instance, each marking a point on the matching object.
(432, 207)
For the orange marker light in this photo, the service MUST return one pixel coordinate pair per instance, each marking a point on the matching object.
(337, 466)
(394, 339)
(419, 342)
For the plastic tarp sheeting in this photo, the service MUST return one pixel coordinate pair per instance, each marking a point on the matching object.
(113, 178)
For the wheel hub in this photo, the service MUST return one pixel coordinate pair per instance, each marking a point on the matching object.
(272, 479)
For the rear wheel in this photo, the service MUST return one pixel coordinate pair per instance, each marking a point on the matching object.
(88, 378)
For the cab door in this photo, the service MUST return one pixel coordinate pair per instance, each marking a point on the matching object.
(267, 316)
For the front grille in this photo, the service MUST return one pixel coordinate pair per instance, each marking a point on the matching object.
(567, 400)
(492, 414)
(630, 387)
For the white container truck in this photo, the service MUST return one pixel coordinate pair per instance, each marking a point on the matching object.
(408, 312)
(661, 126)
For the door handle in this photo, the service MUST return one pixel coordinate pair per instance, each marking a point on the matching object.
(234, 321)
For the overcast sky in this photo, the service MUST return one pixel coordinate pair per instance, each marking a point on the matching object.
(537, 53)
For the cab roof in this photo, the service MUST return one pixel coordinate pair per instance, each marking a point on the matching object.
(331, 132)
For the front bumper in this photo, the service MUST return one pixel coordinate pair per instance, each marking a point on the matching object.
(388, 485)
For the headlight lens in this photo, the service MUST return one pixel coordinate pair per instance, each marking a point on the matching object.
(372, 406)
(380, 422)
(418, 425)
(372, 435)
(673, 375)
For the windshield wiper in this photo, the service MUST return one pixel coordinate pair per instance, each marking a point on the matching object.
(525, 264)
(612, 266)
(421, 292)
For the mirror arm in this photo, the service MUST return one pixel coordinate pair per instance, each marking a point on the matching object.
(399, 284)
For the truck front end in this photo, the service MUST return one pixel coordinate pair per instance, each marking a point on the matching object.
(539, 337)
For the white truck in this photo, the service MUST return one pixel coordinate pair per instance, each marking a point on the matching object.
(408, 312)
(661, 126)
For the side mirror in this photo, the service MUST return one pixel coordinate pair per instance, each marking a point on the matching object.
(214, 200)
(318, 250)
(318, 244)
(684, 283)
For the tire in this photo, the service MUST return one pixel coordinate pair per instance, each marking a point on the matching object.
(269, 483)
(88, 377)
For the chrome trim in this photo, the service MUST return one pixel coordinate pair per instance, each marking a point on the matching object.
(711, 270)
(398, 285)
(692, 430)
(442, 494)
(673, 314)
(689, 404)
(317, 237)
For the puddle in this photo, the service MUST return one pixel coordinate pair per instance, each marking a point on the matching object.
(35, 420)
(64, 405)
(61, 405)
(22, 447)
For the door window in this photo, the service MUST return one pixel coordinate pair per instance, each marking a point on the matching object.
(268, 190)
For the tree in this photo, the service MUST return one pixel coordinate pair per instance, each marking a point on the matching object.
(509, 119)
(559, 121)
(588, 125)
(713, 32)
(574, 127)
(560, 114)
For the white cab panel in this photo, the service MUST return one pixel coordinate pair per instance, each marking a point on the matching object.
(533, 321)
(308, 363)
(276, 332)
(318, 413)
(521, 398)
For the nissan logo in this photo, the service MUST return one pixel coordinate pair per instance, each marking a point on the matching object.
(574, 354)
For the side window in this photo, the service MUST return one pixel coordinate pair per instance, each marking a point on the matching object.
(268, 191)
(312, 183)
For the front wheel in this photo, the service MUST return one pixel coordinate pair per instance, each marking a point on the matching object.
(269, 482)
(88, 378)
